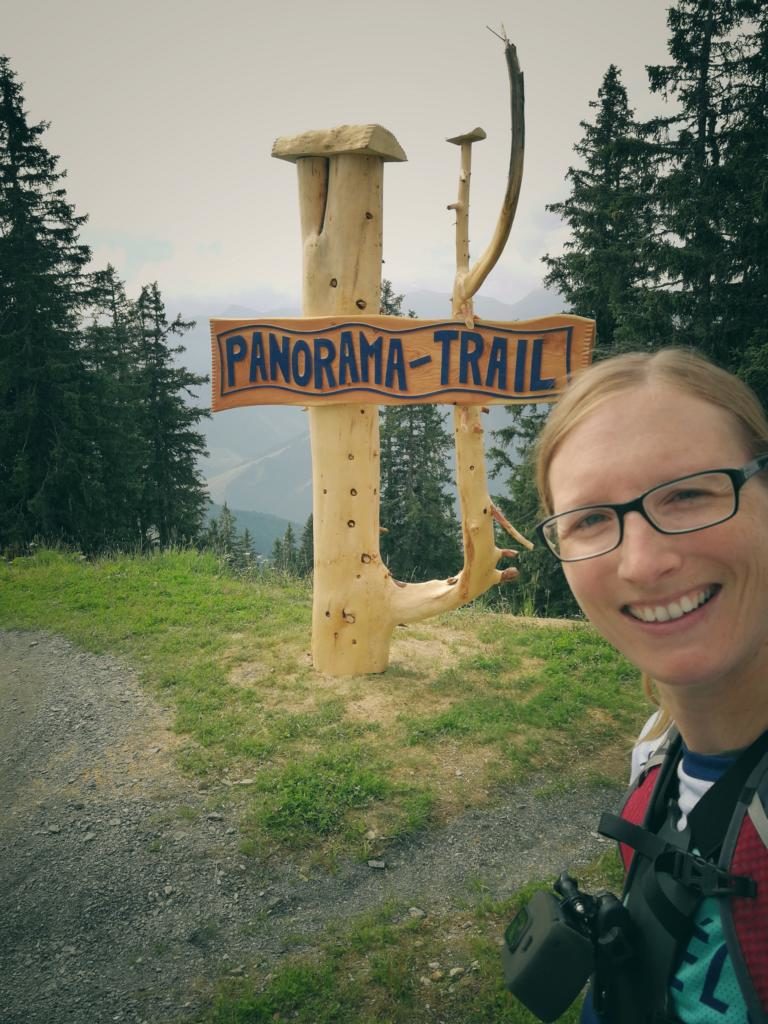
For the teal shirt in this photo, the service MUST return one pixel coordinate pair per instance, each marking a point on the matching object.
(704, 989)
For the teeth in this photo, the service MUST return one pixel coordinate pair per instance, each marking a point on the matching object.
(673, 610)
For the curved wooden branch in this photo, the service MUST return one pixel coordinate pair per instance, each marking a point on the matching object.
(469, 280)
(418, 601)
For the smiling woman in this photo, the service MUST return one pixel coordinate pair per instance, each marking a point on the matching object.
(651, 472)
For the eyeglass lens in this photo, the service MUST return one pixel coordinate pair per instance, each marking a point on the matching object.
(677, 507)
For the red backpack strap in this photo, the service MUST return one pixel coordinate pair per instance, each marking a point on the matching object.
(636, 807)
(750, 916)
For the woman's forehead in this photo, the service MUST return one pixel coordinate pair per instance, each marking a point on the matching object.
(637, 439)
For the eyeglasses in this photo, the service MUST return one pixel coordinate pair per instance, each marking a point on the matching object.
(690, 503)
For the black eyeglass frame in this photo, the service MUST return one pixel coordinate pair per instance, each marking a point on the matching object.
(738, 478)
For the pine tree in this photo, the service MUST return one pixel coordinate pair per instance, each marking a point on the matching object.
(227, 531)
(541, 588)
(174, 496)
(46, 461)
(209, 537)
(746, 199)
(422, 538)
(306, 551)
(694, 258)
(277, 554)
(605, 266)
(247, 552)
(290, 551)
(110, 354)
(285, 555)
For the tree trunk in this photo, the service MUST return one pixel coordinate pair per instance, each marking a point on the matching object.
(341, 220)
(356, 603)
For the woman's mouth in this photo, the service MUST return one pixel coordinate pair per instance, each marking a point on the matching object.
(677, 609)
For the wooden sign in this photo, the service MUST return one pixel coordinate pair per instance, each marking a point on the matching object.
(386, 360)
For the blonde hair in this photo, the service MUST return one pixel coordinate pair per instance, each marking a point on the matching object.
(684, 369)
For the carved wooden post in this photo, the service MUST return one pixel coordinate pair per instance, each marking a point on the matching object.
(332, 360)
(340, 193)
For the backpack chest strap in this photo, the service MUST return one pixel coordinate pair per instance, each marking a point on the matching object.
(690, 869)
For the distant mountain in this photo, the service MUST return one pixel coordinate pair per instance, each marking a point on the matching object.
(259, 456)
(278, 481)
(263, 528)
(433, 305)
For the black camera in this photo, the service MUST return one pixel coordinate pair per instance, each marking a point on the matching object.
(553, 946)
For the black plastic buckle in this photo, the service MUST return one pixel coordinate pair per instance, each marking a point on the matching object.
(696, 873)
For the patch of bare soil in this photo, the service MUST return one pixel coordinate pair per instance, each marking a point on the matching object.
(123, 895)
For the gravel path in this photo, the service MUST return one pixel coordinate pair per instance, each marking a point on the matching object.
(123, 897)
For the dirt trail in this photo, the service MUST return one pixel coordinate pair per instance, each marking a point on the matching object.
(123, 897)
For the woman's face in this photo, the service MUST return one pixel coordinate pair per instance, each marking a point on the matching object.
(630, 443)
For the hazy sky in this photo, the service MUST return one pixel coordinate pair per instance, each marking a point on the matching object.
(164, 113)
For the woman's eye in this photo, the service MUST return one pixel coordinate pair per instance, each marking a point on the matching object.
(591, 521)
(690, 494)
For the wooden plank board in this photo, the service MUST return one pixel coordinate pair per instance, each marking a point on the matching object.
(384, 360)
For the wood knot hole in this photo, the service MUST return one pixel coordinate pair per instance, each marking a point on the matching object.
(353, 492)
(365, 559)
(334, 282)
(368, 215)
(361, 303)
(350, 523)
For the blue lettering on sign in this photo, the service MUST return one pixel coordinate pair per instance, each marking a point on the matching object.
(236, 350)
(258, 362)
(348, 370)
(279, 357)
(370, 350)
(496, 375)
(325, 353)
(445, 338)
(301, 375)
(395, 365)
(472, 346)
(539, 383)
(522, 351)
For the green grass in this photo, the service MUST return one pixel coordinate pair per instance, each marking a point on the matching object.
(378, 969)
(496, 699)
(472, 702)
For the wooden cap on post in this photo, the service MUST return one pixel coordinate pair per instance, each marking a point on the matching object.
(476, 135)
(359, 139)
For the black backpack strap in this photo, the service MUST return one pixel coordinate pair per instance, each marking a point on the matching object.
(692, 870)
(667, 881)
(710, 818)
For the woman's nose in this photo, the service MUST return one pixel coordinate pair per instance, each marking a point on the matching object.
(644, 553)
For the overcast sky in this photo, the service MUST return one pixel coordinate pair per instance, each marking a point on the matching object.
(163, 113)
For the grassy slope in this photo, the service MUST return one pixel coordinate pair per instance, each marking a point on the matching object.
(469, 703)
